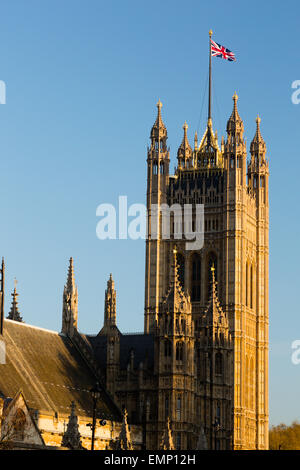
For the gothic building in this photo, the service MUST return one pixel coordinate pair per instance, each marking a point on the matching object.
(197, 377)
(42, 374)
(202, 361)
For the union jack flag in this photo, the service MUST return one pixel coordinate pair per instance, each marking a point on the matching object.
(220, 51)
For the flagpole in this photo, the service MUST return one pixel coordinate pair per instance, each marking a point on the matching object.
(209, 91)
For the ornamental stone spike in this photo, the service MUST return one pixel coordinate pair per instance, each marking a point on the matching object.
(167, 439)
(71, 437)
(70, 303)
(124, 439)
(14, 313)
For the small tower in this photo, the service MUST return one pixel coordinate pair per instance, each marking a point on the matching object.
(175, 361)
(167, 439)
(235, 125)
(124, 439)
(257, 278)
(112, 333)
(71, 437)
(14, 313)
(158, 160)
(258, 168)
(70, 303)
(235, 152)
(110, 319)
(215, 357)
(184, 153)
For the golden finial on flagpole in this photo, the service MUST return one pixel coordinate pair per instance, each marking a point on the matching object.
(210, 33)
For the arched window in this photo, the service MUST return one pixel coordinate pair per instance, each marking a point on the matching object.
(247, 284)
(196, 278)
(166, 408)
(212, 262)
(179, 351)
(168, 348)
(218, 412)
(251, 385)
(19, 422)
(181, 272)
(178, 440)
(247, 382)
(251, 287)
(178, 409)
(219, 363)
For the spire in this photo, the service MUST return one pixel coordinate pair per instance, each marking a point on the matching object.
(71, 279)
(214, 313)
(235, 114)
(258, 145)
(2, 272)
(167, 439)
(70, 303)
(235, 123)
(124, 439)
(71, 437)
(158, 131)
(196, 141)
(235, 131)
(14, 313)
(175, 299)
(110, 304)
(184, 152)
(174, 278)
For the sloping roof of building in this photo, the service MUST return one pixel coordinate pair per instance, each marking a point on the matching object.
(50, 371)
(142, 346)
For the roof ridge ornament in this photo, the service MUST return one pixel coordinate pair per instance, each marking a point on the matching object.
(71, 437)
(14, 313)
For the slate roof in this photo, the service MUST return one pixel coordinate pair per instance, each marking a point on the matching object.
(49, 370)
(141, 344)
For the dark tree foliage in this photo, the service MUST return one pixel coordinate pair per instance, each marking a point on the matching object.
(284, 437)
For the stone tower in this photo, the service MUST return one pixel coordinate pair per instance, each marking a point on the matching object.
(158, 160)
(70, 303)
(236, 226)
(112, 334)
(214, 371)
(109, 306)
(174, 363)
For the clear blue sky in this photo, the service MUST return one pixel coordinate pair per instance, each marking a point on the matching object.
(82, 82)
